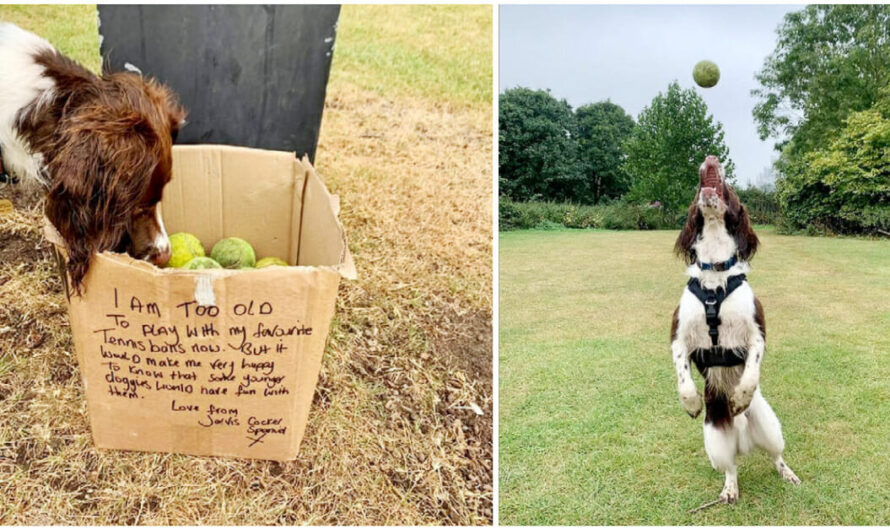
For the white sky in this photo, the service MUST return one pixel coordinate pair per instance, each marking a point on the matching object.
(628, 54)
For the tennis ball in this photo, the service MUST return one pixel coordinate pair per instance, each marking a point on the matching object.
(268, 262)
(234, 253)
(183, 248)
(201, 263)
(706, 74)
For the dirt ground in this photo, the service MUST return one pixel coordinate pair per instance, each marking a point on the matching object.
(400, 429)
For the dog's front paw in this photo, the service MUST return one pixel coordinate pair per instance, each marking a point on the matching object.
(730, 494)
(741, 399)
(691, 400)
(786, 473)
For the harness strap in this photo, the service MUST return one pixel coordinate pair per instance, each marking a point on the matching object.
(718, 356)
(712, 300)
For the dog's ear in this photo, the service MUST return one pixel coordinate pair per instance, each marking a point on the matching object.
(738, 223)
(685, 241)
(175, 114)
(168, 103)
(101, 165)
(165, 111)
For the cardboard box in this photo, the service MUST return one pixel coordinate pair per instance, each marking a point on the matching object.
(215, 362)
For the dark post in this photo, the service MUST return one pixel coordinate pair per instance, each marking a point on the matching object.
(248, 75)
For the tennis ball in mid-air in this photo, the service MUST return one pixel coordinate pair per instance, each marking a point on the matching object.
(234, 253)
(268, 262)
(183, 248)
(706, 74)
(202, 263)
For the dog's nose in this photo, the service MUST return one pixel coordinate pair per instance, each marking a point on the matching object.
(161, 256)
(709, 193)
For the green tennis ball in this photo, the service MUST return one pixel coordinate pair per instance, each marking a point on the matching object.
(706, 74)
(202, 263)
(268, 262)
(183, 248)
(234, 253)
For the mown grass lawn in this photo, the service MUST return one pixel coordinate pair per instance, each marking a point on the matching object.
(591, 430)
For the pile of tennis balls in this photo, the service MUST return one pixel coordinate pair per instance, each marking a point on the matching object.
(187, 252)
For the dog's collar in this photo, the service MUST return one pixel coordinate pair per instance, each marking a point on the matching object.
(4, 176)
(719, 267)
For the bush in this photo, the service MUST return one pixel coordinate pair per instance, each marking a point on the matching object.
(763, 206)
(614, 216)
(843, 187)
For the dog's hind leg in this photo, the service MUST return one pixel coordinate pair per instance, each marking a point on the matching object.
(766, 433)
(721, 444)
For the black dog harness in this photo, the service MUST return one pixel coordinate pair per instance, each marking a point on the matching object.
(712, 299)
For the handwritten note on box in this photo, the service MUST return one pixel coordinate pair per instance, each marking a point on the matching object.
(215, 362)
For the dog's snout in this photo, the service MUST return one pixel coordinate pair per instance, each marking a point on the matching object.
(709, 194)
(711, 175)
(161, 255)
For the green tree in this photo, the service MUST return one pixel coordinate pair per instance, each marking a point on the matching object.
(829, 61)
(845, 186)
(602, 129)
(538, 149)
(672, 137)
(819, 88)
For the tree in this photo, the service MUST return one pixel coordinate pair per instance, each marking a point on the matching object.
(538, 149)
(829, 61)
(820, 90)
(845, 186)
(602, 129)
(672, 137)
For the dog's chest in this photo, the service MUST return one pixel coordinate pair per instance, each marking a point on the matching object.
(715, 244)
(735, 313)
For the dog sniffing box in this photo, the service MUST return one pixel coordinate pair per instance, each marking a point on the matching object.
(216, 362)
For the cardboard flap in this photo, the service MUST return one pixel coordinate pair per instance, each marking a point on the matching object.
(322, 237)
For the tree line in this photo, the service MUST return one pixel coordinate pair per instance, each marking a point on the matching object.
(598, 153)
(823, 98)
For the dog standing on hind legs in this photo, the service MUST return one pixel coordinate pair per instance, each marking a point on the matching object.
(719, 326)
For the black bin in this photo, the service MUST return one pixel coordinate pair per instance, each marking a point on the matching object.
(248, 75)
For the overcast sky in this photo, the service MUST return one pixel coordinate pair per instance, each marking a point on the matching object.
(628, 54)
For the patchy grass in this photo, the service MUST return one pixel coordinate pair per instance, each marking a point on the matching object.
(392, 436)
(591, 429)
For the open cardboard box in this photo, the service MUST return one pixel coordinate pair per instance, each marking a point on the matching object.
(215, 362)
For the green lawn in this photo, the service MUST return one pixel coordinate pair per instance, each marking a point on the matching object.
(591, 430)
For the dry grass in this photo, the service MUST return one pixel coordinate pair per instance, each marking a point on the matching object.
(393, 437)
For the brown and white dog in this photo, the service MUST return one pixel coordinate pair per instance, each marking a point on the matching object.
(101, 147)
(727, 343)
